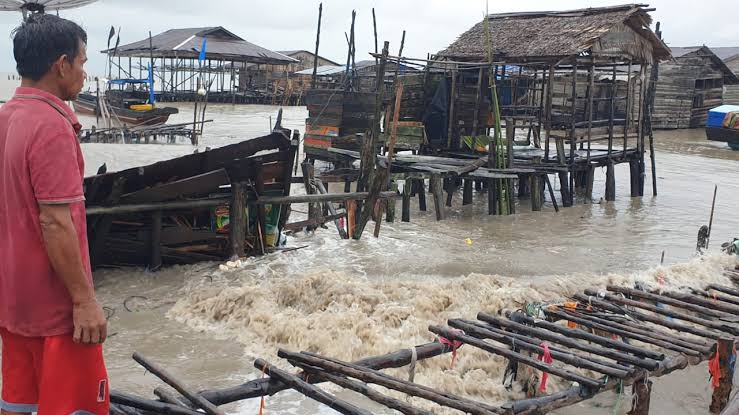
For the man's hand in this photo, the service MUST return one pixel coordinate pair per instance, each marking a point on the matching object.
(90, 326)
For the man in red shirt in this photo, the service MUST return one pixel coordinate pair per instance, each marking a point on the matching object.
(51, 324)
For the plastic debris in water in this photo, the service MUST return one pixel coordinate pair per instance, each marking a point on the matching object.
(468, 241)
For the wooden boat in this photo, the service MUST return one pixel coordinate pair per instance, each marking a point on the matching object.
(121, 107)
(723, 125)
(129, 102)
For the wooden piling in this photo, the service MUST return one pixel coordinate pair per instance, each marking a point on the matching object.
(634, 176)
(610, 182)
(641, 392)
(406, 207)
(308, 175)
(390, 215)
(155, 261)
(564, 189)
(438, 194)
(467, 192)
(536, 192)
(721, 393)
(421, 190)
(237, 219)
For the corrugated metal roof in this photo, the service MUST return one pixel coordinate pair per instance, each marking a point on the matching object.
(729, 76)
(724, 53)
(186, 43)
(324, 70)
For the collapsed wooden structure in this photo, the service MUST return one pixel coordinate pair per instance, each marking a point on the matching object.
(599, 341)
(561, 93)
(201, 207)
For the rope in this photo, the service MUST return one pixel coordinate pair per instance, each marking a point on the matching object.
(456, 344)
(617, 406)
(412, 367)
(545, 357)
(263, 401)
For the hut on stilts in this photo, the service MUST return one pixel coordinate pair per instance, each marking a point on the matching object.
(515, 99)
(175, 54)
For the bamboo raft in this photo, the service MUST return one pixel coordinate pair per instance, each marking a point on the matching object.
(597, 341)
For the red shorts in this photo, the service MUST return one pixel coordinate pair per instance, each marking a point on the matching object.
(52, 376)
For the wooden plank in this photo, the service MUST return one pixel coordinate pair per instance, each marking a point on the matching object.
(202, 183)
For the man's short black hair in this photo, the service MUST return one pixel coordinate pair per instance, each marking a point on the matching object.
(41, 40)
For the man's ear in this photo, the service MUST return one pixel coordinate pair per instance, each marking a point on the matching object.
(61, 65)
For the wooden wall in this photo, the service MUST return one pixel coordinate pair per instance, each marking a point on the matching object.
(687, 88)
(731, 92)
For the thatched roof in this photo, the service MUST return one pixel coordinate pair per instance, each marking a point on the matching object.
(551, 36)
(186, 43)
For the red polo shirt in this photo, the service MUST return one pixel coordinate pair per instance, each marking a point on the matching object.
(40, 163)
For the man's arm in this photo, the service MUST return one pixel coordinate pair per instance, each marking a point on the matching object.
(62, 246)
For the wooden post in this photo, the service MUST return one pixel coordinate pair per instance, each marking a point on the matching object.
(155, 261)
(641, 396)
(612, 113)
(564, 189)
(573, 136)
(478, 95)
(610, 182)
(467, 192)
(634, 170)
(438, 194)
(628, 108)
(548, 112)
(421, 194)
(591, 93)
(315, 56)
(510, 133)
(406, 207)
(390, 215)
(590, 178)
(536, 192)
(452, 101)
(308, 174)
(720, 398)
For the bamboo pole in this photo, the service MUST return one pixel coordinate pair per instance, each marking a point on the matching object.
(583, 335)
(127, 400)
(699, 346)
(318, 40)
(518, 357)
(571, 396)
(657, 298)
(165, 376)
(365, 390)
(309, 390)
(567, 341)
(531, 346)
(262, 387)
(626, 334)
(599, 360)
(723, 327)
(373, 376)
(594, 301)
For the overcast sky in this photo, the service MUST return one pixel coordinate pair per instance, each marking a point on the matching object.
(431, 25)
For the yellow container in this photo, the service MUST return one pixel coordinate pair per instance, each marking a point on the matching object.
(142, 107)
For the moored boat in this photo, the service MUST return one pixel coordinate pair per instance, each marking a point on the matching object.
(723, 125)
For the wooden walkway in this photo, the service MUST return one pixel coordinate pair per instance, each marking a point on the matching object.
(599, 341)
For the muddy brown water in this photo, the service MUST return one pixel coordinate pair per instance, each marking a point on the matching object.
(351, 299)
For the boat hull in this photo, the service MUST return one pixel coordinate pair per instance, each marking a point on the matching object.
(87, 104)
